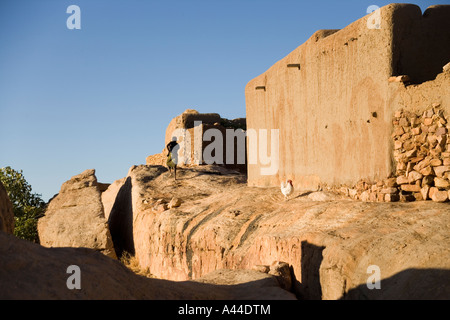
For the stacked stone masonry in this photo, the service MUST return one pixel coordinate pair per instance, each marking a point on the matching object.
(421, 144)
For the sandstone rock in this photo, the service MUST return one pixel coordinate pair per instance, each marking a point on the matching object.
(380, 197)
(402, 78)
(398, 144)
(405, 136)
(390, 190)
(261, 268)
(33, 272)
(446, 68)
(424, 191)
(429, 113)
(401, 166)
(441, 131)
(441, 170)
(416, 131)
(352, 193)
(413, 176)
(441, 141)
(365, 196)
(432, 140)
(282, 272)
(6, 212)
(428, 121)
(427, 171)
(398, 131)
(373, 196)
(402, 180)
(422, 164)
(344, 191)
(441, 183)
(410, 154)
(410, 187)
(174, 203)
(109, 196)
(75, 217)
(158, 159)
(415, 160)
(390, 182)
(440, 196)
(432, 191)
(432, 129)
(418, 196)
(325, 242)
(159, 208)
(421, 138)
(102, 187)
(408, 145)
(435, 162)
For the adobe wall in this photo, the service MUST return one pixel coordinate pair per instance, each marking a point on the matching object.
(188, 152)
(334, 113)
(422, 42)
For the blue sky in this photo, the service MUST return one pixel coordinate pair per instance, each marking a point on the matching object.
(101, 97)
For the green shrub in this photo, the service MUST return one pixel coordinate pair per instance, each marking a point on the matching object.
(28, 207)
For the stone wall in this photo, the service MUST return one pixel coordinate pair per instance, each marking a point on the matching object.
(332, 101)
(188, 152)
(422, 42)
(421, 143)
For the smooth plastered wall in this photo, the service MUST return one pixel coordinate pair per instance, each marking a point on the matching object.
(334, 112)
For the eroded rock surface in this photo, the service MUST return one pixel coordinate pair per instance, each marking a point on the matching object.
(30, 271)
(328, 244)
(75, 217)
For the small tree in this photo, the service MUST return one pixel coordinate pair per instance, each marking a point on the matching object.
(28, 207)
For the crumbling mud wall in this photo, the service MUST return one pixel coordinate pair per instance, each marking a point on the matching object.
(421, 42)
(333, 103)
(205, 138)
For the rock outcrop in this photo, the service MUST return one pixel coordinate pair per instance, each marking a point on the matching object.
(30, 271)
(329, 245)
(6, 212)
(75, 217)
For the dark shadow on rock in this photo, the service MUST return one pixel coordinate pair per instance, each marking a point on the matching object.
(409, 284)
(32, 272)
(120, 221)
(308, 287)
(303, 194)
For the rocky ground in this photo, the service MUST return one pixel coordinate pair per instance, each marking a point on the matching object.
(328, 240)
(208, 235)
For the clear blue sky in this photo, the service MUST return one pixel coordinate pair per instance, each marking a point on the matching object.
(101, 97)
